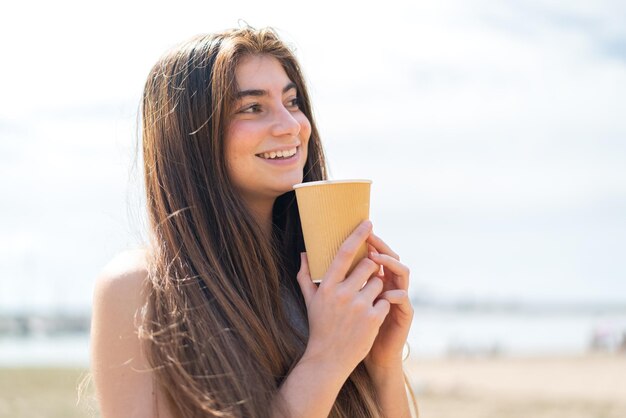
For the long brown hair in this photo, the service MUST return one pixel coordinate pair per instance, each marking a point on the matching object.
(215, 326)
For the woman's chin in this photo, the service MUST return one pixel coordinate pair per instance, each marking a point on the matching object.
(292, 181)
(287, 188)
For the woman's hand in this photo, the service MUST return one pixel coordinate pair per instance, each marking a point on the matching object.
(346, 311)
(386, 352)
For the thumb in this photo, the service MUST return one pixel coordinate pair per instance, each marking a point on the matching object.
(304, 279)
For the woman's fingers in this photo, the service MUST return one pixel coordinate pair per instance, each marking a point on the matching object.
(304, 279)
(391, 264)
(400, 298)
(341, 264)
(371, 290)
(381, 246)
(362, 272)
(381, 309)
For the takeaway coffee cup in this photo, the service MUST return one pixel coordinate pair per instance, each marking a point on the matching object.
(329, 212)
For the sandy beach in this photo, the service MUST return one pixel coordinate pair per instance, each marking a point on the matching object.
(592, 385)
(589, 386)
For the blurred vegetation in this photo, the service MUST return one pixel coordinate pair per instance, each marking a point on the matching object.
(46, 393)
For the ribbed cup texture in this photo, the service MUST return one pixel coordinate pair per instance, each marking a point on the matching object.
(329, 213)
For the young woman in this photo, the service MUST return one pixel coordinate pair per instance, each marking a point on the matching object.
(219, 317)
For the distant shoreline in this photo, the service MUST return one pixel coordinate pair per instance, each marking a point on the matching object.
(54, 323)
(49, 324)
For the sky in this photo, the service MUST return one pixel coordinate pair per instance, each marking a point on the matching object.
(494, 133)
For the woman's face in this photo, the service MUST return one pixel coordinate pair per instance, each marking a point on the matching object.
(267, 137)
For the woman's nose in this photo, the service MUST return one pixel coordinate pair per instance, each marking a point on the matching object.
(285, 123)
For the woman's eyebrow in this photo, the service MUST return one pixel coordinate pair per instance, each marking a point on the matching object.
(259, 92)
(289, 87)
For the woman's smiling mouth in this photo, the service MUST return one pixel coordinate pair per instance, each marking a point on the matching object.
(284, 154)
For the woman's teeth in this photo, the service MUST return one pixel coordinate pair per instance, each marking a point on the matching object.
(278, 154)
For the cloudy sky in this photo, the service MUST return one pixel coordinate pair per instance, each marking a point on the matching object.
(494, 133)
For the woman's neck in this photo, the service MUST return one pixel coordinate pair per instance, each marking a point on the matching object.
(262, 212)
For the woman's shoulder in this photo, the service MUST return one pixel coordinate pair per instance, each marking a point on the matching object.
(119, 289)
(127, 267)
(119, 292)
(122, 374)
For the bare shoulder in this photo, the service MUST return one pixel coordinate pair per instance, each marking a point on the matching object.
(118, 290)
(118, 297)
(129, 268)
(121, 371)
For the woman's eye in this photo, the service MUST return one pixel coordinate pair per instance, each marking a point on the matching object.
(254, 108)
(294, 103)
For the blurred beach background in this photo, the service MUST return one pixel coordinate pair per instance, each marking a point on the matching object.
(494, 133)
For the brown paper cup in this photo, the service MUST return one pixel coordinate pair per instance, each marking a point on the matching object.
(329, 213)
